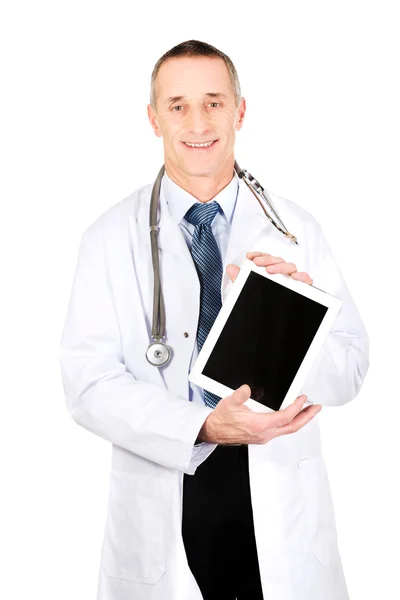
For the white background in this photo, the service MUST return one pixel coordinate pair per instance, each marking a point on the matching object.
(321, 80)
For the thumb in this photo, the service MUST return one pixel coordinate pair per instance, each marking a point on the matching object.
(242, 394)
(233, 271)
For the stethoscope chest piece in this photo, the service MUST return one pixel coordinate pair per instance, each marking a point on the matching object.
(158, 354)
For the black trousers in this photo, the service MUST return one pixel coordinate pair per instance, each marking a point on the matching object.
(218, 529)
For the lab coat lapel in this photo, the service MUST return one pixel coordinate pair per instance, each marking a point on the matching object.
(170, 241)
(248, 223)
(181, 292)
(180, 289)
(180, 271)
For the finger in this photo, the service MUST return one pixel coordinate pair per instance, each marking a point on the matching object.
(285, 416)
(304, 417)
(251, 255)
(233, 271)
(263, 259)
(301, 276)
(284, 268)
(240, 395)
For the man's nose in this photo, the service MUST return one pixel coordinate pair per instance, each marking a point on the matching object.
(198, 121)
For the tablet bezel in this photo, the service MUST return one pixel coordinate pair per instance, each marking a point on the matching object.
(332, 303)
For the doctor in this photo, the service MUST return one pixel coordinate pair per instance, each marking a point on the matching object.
(174, 528)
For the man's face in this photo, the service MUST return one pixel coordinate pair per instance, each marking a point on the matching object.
(196, 104)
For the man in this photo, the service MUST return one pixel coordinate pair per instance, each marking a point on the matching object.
(208, 500)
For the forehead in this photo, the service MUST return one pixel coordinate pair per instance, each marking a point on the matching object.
(193, 76)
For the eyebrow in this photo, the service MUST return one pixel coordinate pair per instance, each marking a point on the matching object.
(172, 99)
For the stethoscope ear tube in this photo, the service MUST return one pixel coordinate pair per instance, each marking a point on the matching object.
(258, 191)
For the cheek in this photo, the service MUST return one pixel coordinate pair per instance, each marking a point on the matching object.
(227, 124)
(176, 134)
(168, 126)
(171, 134)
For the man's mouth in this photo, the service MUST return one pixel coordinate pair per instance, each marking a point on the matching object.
(200, 145)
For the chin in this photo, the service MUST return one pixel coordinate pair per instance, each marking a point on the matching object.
(199, 170)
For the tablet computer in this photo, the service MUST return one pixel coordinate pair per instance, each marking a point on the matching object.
(267, 334)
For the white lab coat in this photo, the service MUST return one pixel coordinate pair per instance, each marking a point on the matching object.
(144, 411)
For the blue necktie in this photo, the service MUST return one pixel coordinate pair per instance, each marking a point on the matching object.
(207, 259)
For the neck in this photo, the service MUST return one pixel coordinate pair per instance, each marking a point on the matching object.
(203, 188)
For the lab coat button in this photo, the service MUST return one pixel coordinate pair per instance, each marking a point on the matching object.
(186, 334)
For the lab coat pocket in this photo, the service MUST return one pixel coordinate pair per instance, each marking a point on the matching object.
(318, 507)
(134, 545)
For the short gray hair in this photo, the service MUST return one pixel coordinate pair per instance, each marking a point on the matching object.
(195, 48)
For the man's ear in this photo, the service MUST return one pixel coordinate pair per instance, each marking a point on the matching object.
(151, 113)
(241, 113)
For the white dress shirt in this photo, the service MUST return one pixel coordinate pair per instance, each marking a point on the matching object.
(179, 201)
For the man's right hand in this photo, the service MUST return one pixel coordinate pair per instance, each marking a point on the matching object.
(233, 423)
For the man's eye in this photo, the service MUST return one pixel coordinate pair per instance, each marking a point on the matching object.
(175, 107)
(217, 103)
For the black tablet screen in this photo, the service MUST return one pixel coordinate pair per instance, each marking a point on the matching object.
(265, 340)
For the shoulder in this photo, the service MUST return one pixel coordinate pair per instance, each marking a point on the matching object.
(297, 219)
(293, 210)
(115, 219)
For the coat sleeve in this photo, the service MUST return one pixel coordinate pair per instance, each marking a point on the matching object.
(339, 370)
(101, 395)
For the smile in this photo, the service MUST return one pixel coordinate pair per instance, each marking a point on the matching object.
(200, 144)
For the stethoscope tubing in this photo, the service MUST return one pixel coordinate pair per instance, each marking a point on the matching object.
(158, 322)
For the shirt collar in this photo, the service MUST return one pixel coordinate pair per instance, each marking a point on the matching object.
(179, 200)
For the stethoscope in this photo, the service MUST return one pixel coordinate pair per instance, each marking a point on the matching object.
(158, 353)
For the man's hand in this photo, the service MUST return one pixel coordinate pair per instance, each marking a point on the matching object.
(233, 423)
(272, 264)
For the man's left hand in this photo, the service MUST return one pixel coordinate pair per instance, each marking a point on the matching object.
(272, 264)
